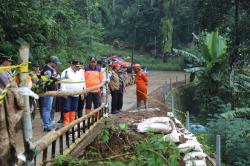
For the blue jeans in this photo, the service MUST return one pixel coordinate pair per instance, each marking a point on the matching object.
(46, 111)
(70, 104)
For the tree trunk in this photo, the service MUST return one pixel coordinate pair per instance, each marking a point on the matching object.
(235, 52)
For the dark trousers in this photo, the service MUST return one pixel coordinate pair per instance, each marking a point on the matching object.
(93, 98)
(114, 101)
(70, 104)
(80, 107)
(119, 100)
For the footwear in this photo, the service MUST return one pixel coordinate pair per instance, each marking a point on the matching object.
(65, 118)
(72, 116)
(87, 111)
(60, 121)
(47, 129)
(115, 112)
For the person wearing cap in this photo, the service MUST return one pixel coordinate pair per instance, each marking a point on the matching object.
(35, 72)
(141, 81)
(72, 74)
(94, 77)
(114, 86)
(5, 77)
(50, 72)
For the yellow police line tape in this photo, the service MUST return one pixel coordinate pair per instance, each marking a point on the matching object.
(23, 67)
(45, 79)
(161, 103)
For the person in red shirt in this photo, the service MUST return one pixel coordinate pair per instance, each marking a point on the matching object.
(141, 81)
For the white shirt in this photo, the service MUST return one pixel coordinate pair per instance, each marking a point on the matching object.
(69, 75)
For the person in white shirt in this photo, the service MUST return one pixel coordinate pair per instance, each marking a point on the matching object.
(103, 88)
(73, 80)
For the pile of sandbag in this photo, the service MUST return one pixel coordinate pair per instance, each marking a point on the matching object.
(174, 131)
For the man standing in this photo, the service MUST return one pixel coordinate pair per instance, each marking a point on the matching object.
(72, 74)
(121, 74)
(81, 100)
(103, 88)
(141, 82)
(5, 77)
(94, 77)
(49, 71)
(114, 86)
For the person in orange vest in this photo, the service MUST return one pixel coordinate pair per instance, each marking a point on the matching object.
(93, 77)
(141, 81)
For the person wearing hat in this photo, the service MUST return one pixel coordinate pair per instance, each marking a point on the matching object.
(94, 77)
(50, 72)
(35, 73)
(141, 81)
(72, 74)
(5, 76)
(114, 86)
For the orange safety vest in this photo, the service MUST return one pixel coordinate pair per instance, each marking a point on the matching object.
(93, 77)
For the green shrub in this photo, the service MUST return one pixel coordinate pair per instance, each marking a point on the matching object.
(235, 146)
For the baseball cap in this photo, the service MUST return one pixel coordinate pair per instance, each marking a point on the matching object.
(116, 65)
(5, 58)
(35, 65)
(55, 59)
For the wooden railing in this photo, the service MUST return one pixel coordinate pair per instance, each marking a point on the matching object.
(64, 140)
(68, 137)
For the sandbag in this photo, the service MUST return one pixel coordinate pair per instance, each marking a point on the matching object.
(174, 136)
(190, 146)
(194, 156)
(155, 124)
(157, 120)
(154, 127)
(195, 162)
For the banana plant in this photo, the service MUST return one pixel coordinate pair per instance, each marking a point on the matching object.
(212, 54)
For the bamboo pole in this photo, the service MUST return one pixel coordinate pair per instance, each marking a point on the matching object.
(47, 140)
(27, 125)
(70, 93)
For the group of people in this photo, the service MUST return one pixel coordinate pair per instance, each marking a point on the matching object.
(76, 78)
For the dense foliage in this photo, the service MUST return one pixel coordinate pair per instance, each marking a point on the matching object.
(214, 35)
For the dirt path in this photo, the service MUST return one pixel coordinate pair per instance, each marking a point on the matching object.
(156, 80)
